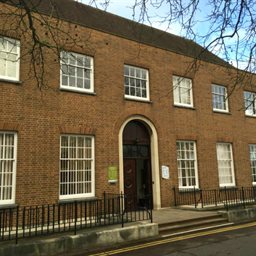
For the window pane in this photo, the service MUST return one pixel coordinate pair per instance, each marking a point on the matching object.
(249, 103)
(219, 97)
(78, 71)
(9, 58)
(187, 164)
(7, 167)
(135, 82)
(2, 65)
(76, 169)
(182, 91)
(253, 161)
(225, 164)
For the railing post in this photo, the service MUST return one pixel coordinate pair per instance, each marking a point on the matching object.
(225, 189)
(254, 197)
(48, 218)
(23, 220)
(17, 225)
(122, 207)
(75, 215)
(174, 193)
(201, 197)
(243, 198)
(104, 206)
(42, 222)
(195, 197)
(53, 218)
(215, 197)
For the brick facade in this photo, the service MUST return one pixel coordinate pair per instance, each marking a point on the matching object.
(40, 116)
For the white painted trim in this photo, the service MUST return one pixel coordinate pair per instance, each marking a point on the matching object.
(247, 110)
(154, 159)
(17, 43)
(226, 110)
(77, 89)
(147, 85)
(177, 85)
(196, 167)
(232, 184)
(84, 195)
(12, 200)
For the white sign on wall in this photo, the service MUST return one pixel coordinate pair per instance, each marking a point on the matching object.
(165, 172)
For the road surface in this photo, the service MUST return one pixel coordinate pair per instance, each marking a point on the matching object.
(237, 240)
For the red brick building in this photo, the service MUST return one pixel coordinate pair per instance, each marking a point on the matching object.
(125, 99)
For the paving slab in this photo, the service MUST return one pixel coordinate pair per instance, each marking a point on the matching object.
(166, 215)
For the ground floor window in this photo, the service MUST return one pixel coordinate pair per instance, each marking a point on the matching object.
(187, 164)
(76, 166)
(225, 164)
(253, 161)
(8, 148)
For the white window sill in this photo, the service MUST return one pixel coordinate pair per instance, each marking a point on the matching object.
(8, 206)
(188, 189)
(184, 106)
(144, 100)
(77, 91)
(228, 186)
(10, 81)
(247, 115)
(221, 111)
(76, 199)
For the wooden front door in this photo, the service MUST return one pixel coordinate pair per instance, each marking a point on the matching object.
(137, 165)
(130, 189)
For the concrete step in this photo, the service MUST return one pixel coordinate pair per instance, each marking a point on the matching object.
(193, 224)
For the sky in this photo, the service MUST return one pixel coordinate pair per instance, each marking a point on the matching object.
(124, 8)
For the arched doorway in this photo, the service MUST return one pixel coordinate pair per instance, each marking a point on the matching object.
(137, 171)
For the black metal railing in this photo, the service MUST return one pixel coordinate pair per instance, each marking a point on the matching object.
(22, 222)
(222, 197)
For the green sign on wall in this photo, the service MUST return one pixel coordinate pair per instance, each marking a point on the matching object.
(112, 174)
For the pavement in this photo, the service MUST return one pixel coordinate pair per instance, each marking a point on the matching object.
(166, 215)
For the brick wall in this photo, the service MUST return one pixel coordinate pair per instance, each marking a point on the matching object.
(41, 116)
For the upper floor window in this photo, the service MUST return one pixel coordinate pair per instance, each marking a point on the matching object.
(253, 162)
(219, 98)
(76, 72)
(8, 147)
(182, 91)
(9, 59)
(136, 83)
(187, 164)
(225, 164)
(77, 176)
(250, 103)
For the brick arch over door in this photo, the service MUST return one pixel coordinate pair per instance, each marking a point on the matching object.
(154, 158)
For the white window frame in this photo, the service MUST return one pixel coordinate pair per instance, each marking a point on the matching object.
(186, 163)
(10, 43)
(3, 159)
(76, 67)
(178, 85)
(136, 75)
(217, 91)
(92, 159)
(220, 162)
(252, 105)
(252, 149)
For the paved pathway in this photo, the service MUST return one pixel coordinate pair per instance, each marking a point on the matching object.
(166, 215)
